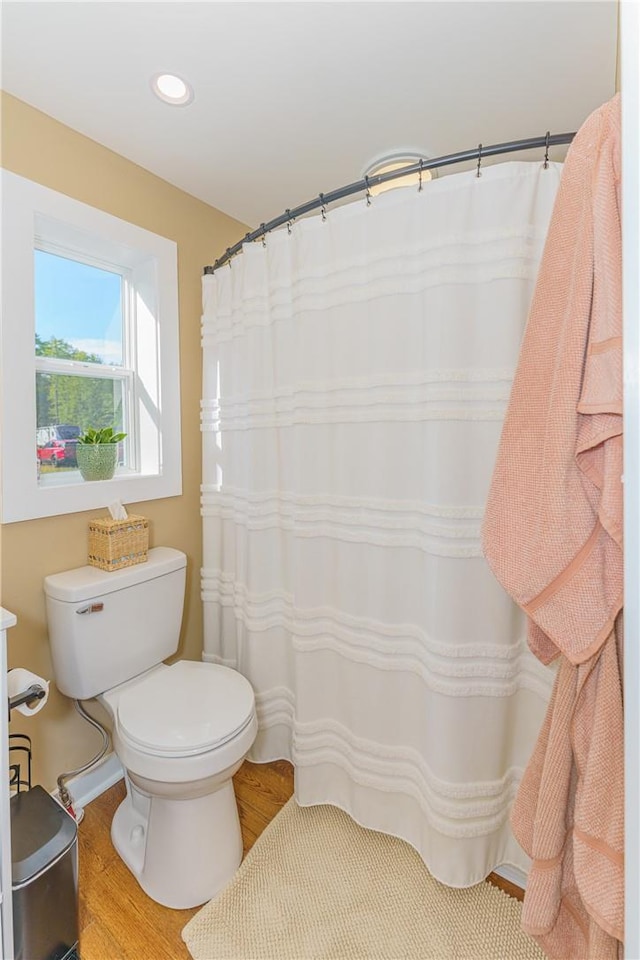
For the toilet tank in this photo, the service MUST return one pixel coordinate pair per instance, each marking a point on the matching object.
(107, 627)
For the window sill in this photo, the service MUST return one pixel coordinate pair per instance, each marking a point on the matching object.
(65, 495)
(71, 478)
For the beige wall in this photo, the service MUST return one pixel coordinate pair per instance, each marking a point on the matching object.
(41, 149)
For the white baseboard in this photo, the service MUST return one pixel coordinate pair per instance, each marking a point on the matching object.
(512, 874)
(87, 786)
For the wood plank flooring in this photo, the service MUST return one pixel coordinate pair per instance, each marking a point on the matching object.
(117, 919)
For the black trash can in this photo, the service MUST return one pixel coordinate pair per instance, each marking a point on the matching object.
(44, 855)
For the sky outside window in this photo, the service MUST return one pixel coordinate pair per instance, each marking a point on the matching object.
(79, 304)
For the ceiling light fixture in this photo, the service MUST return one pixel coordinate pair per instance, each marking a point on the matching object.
(172, 89)
(395, 161)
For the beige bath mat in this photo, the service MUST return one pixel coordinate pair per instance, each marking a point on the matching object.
(316, 885)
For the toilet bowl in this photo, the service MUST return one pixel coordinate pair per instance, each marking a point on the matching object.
(180, 731)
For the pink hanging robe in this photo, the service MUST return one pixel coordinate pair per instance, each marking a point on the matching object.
(553, 537)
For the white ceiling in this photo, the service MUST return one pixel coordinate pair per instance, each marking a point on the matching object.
(295, 98)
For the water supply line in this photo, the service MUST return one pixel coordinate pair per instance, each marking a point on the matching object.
(64, 793)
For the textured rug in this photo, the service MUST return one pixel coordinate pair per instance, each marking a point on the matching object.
(316, 885)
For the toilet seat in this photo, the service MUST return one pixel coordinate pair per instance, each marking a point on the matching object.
(185, 709)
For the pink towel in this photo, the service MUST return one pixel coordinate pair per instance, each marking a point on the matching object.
(553, 537)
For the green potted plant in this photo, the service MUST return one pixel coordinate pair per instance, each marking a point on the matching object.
(97, 453)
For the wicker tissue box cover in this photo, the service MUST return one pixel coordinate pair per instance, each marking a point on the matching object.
(118, 543)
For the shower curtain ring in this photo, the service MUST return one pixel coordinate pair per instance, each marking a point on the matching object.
(263, 237)
(290, 220)
(323, 208)
(478, 173)
(420, 177)
(546, 151)
(368, 193)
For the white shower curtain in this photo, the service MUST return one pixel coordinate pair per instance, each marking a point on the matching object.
(356, 374)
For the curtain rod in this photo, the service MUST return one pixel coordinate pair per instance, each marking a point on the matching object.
(360, 186)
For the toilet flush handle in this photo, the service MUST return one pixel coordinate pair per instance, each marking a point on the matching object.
(91, 608)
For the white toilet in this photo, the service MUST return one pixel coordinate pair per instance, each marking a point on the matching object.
(180, 731)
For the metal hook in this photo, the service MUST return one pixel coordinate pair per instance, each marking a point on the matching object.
(368, 193)
(323, 208)
(420, 177)
(478, 173)
(228, 252)
(289, 221)
(263, 237)
(546, 151)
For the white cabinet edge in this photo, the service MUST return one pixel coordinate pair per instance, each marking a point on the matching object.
(7, 619)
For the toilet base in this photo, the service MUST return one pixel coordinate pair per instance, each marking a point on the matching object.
(182, 852)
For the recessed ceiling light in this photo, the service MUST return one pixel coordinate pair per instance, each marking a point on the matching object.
(395, 161)
(172, 89)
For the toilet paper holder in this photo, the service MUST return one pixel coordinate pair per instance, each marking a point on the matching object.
(28, 696)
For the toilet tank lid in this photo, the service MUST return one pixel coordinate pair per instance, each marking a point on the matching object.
(83, 583)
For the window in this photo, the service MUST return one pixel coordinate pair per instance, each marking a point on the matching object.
(84, 373)
(89, 339)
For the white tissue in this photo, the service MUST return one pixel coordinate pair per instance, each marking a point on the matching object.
(117, 510)
(18, 681)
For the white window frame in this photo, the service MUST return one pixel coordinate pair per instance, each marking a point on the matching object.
(35, 217)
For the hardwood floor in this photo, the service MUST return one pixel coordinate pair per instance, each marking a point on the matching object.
(117, 919)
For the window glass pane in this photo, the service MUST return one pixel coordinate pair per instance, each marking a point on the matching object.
(78, 310)
(66, 406)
